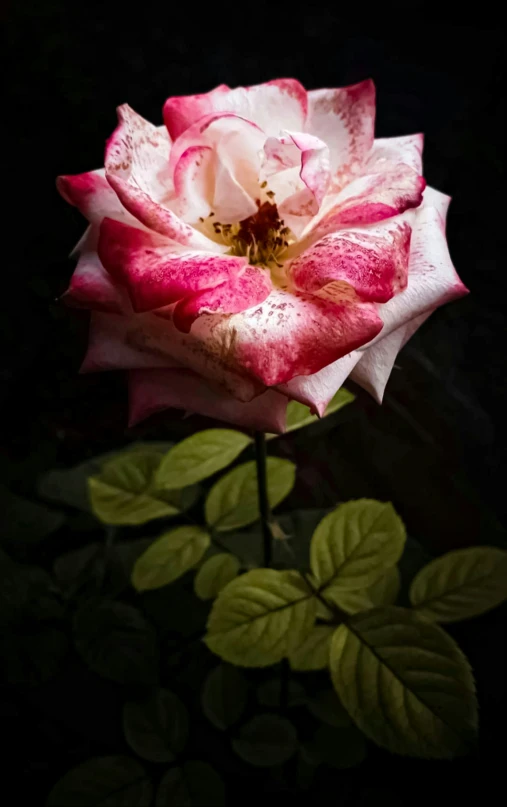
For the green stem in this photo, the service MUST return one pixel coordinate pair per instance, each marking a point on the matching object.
(260, 459)
(108, 546)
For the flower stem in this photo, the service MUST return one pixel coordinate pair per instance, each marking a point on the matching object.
(260, 459)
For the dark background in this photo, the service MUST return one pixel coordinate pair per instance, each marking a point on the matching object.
(434, 448)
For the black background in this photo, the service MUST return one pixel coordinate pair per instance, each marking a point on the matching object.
(435, 447)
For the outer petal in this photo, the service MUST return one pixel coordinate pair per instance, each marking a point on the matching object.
(393, 150)
(272, 106)
(317, 390)
(432, 278)
(438, 200)
(156, 271)
(91, 286)
(372, 261)
(373, 370)
(137, 156)
(293, 334)
(344, 119)
(154, 390)
(208, 350)
(93, 196)
(241, 292)
(111, 346)
(370, 198)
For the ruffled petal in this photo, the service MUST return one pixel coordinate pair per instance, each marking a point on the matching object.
(344, 119)
(298, 195)
(156, 271)
(293, 334)
(112, 346)
(306, 152)
(272, 106)
(241, 292)
(91, 286)
(372, 262)
(137, 168)
(316, 390)
(152, 391)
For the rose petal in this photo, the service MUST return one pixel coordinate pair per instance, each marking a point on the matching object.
(155, 390)
(182, 110)
(293, 334)
(205, 350)
(91, 286)
(393, 150)
(374, 368)
(212, 129)
(372, 261)
(231, 202)
(440, 201)
(298, 149)
(241, 292)
(93, 196)
(194, 183)
(156, 271)
(432, 278)
(272, 106)
(137, 167)
(298, 198)
(344, 119)
(370, 198)
(111, 346)
(318, 389)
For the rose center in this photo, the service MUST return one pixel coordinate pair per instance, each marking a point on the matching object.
(262, 237)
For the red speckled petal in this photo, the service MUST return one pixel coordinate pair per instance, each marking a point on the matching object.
(271, 106)
(241, 292)
(372, 261)
(293, 334)
(151, 391)
(93, 196)
(317, 390)
(156, 271)
(432, 278)
(370, 198)
(137, 167)
(91, 286)
(344, 119)
(111, 345)
(374, 368)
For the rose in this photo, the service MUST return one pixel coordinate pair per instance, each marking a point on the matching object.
(259, 247)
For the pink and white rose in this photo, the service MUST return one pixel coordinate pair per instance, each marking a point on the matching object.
(261, 246)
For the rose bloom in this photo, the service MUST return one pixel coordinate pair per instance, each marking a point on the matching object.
(261, 246)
